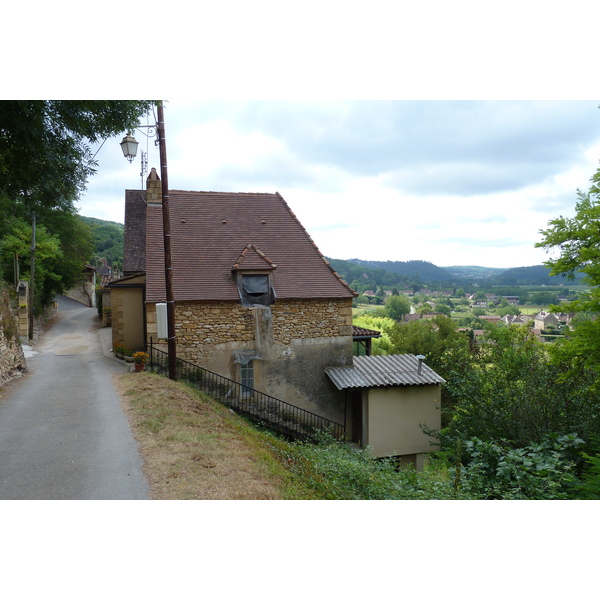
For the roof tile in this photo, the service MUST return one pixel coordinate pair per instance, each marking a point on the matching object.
(210, 229)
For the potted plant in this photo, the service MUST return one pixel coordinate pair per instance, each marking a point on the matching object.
(128, 354)
(118, 350)
(140, 359)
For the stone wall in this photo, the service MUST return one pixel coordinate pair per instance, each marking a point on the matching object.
(84, 292)
(199, 324)
(12, 360)
(294, 342)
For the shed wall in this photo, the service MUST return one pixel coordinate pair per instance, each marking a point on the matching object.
(395, 415)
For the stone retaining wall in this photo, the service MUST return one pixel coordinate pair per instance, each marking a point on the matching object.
(12, 360)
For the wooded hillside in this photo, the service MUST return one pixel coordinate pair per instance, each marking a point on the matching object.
(107, 237)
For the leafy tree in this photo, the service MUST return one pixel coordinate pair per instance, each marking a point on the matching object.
(577, 240)
(430, 337)
(45, 159)
(543, 298)
(45, 162)
(425, 309)
(108, 239)
(63, 247)
(508, 392)
(442, 308)
(397, 307)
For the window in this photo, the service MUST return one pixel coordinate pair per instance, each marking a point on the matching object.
(255, 289)
(247, 378)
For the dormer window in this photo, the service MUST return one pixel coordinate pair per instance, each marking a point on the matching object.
(254, 277)
(255, 289)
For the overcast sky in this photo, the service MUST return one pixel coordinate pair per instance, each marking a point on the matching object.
(451, 182)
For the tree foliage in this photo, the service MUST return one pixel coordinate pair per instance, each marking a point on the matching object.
(537, 471)
(397, 307)
(45, 162)
(63, 248)
(44, 145)
(108, 238)
(577, 241)
(511, 393)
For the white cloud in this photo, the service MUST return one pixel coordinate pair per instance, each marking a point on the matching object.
(448, 182)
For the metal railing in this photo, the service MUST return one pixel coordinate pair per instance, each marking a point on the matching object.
(266, 410)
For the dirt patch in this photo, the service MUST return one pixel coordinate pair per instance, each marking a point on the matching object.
(192, 447)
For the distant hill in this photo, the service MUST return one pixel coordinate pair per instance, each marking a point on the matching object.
(361, 273)
(420, 269)
(536, 275)
(108, 239)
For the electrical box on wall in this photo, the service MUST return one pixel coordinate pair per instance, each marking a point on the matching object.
(161, 320)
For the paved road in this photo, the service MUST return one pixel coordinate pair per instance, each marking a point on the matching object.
(63, 434)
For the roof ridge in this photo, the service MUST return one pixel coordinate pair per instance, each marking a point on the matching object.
(224, 193)
(340, 278)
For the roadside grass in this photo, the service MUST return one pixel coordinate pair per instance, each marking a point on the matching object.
(195, 448)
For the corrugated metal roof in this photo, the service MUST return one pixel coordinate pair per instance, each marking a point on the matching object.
(383, 371)
(210, 231)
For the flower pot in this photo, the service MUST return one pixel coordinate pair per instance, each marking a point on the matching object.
(139, 367)
(129, 359)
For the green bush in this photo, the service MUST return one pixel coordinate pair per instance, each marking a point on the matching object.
(340, 471)
(589, 488)
(544, 471)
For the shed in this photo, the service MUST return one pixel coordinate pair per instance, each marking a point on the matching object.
(388, 399)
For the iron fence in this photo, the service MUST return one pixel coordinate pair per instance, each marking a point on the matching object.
(266, 410)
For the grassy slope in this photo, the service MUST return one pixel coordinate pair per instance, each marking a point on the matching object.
(195, 448)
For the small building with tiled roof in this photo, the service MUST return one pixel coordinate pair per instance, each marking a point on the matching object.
(255, 300)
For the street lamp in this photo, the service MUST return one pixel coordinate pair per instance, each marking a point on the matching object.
(129, 146)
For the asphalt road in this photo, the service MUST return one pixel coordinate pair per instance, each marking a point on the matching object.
(63, 433)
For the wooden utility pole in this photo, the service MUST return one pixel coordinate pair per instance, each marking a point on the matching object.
(32, 276)
(171, 343)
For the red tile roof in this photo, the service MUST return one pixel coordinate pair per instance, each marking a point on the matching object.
(213, 233)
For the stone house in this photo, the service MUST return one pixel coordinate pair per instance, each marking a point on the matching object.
(255, 300)
(545, 320)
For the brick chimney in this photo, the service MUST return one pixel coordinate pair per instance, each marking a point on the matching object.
(153, 188)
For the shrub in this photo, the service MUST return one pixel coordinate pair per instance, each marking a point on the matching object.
(589, 488)
(544, 471)
(340, 471)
